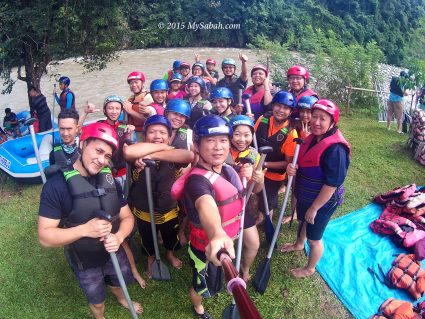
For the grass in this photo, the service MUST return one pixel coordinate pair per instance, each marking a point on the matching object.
(37, 283)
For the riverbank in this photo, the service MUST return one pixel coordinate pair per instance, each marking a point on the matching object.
(37, 283)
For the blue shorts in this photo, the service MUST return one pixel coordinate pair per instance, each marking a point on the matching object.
(324, 214)
(93, 281)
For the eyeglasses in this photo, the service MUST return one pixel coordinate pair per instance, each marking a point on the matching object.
(228, 67)
(295, 78)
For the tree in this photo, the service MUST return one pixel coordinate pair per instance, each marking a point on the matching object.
(34, 33)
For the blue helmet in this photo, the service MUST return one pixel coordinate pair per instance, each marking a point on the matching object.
(198, 80)
(285, 98)
(158, 119)
(65, 80)
(242, 120)
(179, 106)
(221, 93)
(306, 102)
(228, 61)
(176, 77)
(159, 85)
(211, 125)
(176, 64)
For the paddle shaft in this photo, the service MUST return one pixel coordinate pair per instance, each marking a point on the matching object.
(123, 285)
(37, 153)
(248, 110)
(53, 114)
(240, 239)
(246, 307)
(285, 203)
(151, 211)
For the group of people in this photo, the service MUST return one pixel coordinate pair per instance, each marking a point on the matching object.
(197, 129)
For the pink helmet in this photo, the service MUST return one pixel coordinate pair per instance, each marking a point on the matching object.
(102, 132)
(298, 70)
(184, 64)
(329, 107)
(211, 60)
(260, 67)
(136, 75)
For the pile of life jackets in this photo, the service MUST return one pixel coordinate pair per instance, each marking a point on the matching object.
(418, 134)
(400, 309)
(403, 218)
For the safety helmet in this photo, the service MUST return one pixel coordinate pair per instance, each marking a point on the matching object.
(176, 64)
(404, 74)
(211, 60)
(242, 120)
(211, 125)
(185, 64)
(112, 98)
(102, 132)
(201, 65)
(65, 80)
(306, 102)
(198, 80)
(159, 85)
(228, 61)
(157, 119)
(221, 93)
(299, 70)
(260, 67)
(285, 98)
(179, 106)
(329, 107)
(176, 77)
(136, 75)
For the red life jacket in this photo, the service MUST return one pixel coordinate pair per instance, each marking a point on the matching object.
(63, 98)
(305, 92)
(159, 108)
(310, 177)
(256, 101)
(228, 197)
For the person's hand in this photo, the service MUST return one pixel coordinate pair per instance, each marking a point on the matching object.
(243, 57)
(291, 169)
(246, 171)
(216, 243)
(127, 106)
(139, 164)
(266, 83)
(258, 176)
(112, 243)
(197, 57)
(251, 116)
(143, 109)
(97, 228)
(310, 215)
(129, 128)
(90, 108)
(306, 129)
(238, 108)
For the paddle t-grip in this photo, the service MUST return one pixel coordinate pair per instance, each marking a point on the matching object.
(149, 162)
(265, 149)
(245, 160)
(100, 213)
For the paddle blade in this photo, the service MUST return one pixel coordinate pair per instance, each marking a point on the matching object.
(262, 276)
(160, 271)
(269, 229)
(231, 312)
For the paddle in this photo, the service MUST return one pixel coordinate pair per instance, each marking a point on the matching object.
(53, 114)
(104, 215)
(246, 96)
(159, 270)
(262, 276)
(237, 287)
(265, 150)
(30, 125)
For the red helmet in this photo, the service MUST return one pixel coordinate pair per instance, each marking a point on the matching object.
(211, 60)
(184, 65)
(299, 70)
(260, 67)
(329, 107)
(136, 75)
(102, 132)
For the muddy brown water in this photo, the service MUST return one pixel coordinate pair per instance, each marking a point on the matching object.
(95, 86)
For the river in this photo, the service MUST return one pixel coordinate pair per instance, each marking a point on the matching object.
(95, 86)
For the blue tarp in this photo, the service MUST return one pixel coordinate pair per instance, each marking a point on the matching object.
(350, 248)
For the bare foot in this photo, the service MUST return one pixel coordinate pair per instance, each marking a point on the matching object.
(139, 279)
(137, 307)
(246, 276)
(182, 238)
(286, 248)
(173, 260)
(302, 272)
(287, 219)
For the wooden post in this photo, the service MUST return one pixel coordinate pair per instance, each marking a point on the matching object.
(347, 110)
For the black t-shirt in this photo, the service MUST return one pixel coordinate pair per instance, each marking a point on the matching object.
(56, 200)
(10, 118)
(233, 86)
(39, 104)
